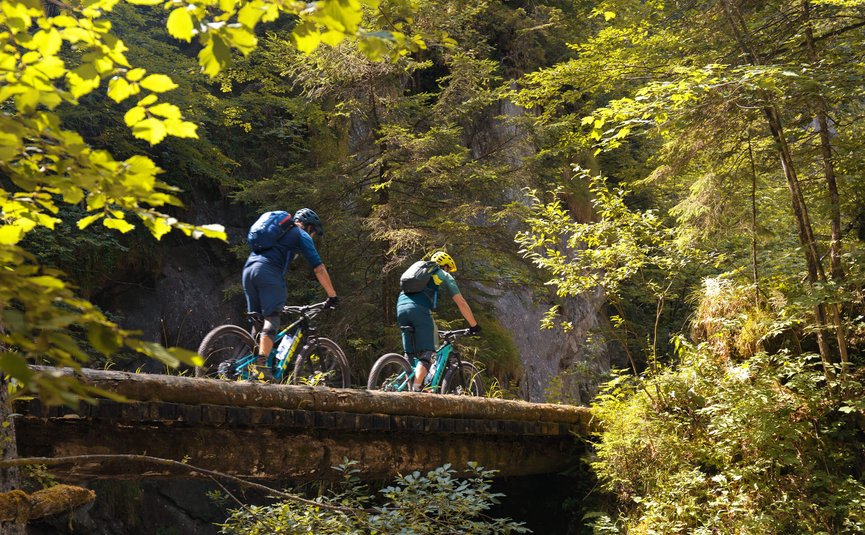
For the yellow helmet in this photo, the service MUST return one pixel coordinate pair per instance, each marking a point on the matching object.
(445, 261)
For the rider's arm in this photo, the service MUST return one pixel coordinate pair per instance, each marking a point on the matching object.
(465, 309)
(324, 279)
(307, 247)
(450, 284)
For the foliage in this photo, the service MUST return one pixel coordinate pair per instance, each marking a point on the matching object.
(55, 58)
(435, 503)
(620, 250)
(712, 445)
(735, 128)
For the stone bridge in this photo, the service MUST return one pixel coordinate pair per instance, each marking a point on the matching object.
(295, 432)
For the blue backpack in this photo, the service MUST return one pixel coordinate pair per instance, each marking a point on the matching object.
(268, 229)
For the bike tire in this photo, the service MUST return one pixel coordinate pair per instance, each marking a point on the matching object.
(322, 363)
(385, 370)
(226, 342)
(469, 384)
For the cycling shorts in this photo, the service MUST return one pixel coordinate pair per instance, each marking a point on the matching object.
(264, 288)
(408, 312)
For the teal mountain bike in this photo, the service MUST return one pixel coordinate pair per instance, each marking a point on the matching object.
(299, 355)
(448, 373)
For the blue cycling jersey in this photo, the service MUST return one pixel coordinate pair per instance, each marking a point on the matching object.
(295, 241)
(264, 271)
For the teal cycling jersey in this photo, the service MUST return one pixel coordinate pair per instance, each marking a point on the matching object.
(429, 296)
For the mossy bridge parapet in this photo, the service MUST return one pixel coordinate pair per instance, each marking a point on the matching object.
(295, 432)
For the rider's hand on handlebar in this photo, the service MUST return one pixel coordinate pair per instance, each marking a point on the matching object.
(331, 302)
(475, 329)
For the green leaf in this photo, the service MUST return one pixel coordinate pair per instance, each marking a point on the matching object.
(119, 89)
(15, 365)
(134, 116)
(251, 13)
(179, 128)
(118, 224)
(169, 111)
(103, 338)
(46, 281)
(306, 36)
(135, 75)
(158, 352)
(158, 83)
(84, 222)
(10, 234)
(181, 24)
(151, 130)
(214, 56)
(147, 101)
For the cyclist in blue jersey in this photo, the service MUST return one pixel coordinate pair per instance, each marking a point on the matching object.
(264, 278)
(415, 310)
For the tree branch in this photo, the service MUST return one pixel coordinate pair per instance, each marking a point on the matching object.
(78, 459)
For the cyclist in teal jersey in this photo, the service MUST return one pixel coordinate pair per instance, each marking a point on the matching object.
(415, 310)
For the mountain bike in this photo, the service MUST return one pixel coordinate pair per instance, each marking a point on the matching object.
(299, 355)
(448, 374)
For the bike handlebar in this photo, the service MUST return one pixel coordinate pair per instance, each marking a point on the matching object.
(453, 335)
(309, 311)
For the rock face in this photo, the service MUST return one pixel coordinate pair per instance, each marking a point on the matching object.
(559, 366)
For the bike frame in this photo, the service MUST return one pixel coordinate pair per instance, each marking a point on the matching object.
(442, 356)
(300, 329)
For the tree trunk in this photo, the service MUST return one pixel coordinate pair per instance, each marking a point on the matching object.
(836, 268)
(9, 477)
(387, 306)
(822, 108)
(800, 209)
(754, 270)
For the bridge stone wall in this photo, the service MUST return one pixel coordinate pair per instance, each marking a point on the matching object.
(273, 431)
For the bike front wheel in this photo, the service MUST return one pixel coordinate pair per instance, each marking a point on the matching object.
(226, 343)
(322, 363)
(390, 373)
(463, 380)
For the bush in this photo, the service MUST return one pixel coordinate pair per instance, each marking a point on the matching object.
(710, 446)
(436, 503)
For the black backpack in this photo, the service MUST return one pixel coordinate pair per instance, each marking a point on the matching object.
(416, 277)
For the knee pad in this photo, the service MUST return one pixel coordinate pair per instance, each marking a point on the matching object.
(270, 326)
(426, 357)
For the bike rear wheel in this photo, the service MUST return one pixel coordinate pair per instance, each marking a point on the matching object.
(467, 383)
(390, 373)
(322, 363)
(223, 344)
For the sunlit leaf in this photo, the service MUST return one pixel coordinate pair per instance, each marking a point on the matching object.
(158, 83)
(151, 130)
(181, 24)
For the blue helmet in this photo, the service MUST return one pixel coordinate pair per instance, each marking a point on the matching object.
(308, 217)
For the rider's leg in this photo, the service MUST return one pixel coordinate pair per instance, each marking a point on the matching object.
(265, 345)
(264, 286)
(421, 370)
(424, 337)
